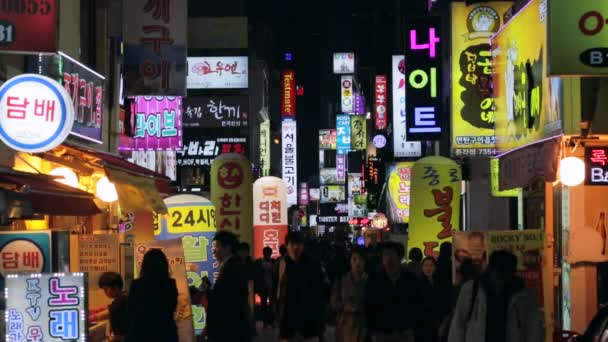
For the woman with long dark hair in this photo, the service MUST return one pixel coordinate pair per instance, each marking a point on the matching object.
(152, 301)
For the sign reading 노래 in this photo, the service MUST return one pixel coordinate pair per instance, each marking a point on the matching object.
(399, 190)
(46, 307)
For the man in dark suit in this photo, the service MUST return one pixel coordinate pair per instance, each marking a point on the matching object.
(228, 314)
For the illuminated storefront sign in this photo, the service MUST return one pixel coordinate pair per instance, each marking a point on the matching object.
(35, 113)
(288, 94)
(304, 198)
(216, 111)
(290, 160)
(218, 72)
(269, 215)
(332, 193)
(401, 146)
(380, 101)
(46, 307)
(154, 34)
(158, 124)
(201, 147)
(423, 86)
(596, 165)
(358, 132)
(577, 37)
(31, 28)
(231, 194)
(265, 147)
(327, 139)
(344, 63)
(528, 104)
(343, 135)
(25, 252)
(399, 190)
(357, 200)
(435, 203)
(340, 168)
(472, 101)
(347, 94)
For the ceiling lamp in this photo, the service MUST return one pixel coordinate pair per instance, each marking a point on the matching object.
(105, 190)
(69, 177)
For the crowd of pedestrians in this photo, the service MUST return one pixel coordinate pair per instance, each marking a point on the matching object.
(367, 292)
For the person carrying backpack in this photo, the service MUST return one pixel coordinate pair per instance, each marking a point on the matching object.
(497, 306)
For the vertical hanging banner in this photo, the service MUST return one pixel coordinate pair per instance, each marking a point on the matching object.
(343, 136)
(265, 147)
(191, 219)
(29, 28)
(231, 195)
(340, 168)
(399, 190)
(435, 203)
(347, 94)
(380, 100)
(401, 146)
(158, 124)
(155, 47)
(472, 102)
(357, 200)
(423, 48)
(359, 103)
(290, 160)
(269, 215)
(304, 198)
(288, 94)
(358, 132)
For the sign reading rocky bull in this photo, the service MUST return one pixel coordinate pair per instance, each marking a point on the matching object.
(269, 215)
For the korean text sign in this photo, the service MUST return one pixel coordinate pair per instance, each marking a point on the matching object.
(435, 203)
(216, 111)
(401, 146)
(577, 33)
(218, 72)
(596, 165)
(343, 137)
(188, 318)
(155, 47)
(46, 307)
(231, 195)
(344, 63)
(30, 27)
(527, 245)
(265, 147)
(327, 139)
(290, 160)
(347, 94)
(423, 50)
(399, 190)
(200, 147)
(472, 101)
(288, 94)
(25, 252)
(358, 132)
(269, 215)
(97, 254)
(35, 113)
(158, 123)
(528, 104)
(380, 101)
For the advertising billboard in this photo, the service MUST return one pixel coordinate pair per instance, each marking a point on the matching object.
(290, 160)
(528, 107)
(218, 72)
(343, 133)
(380, 102)
(399, 191)
(344, 63)
(347, 94)
(423, 84)
(269, 215)
(577, 38)
(158, 124)
(154, 37)
(472, 101)
(332, 193)
(435, 203)
(288, 94)
(327, 139)
(401, 146)
(216, 111)
(30, 28)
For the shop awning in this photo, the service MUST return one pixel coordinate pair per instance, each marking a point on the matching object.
(138, 188)
(46, 196)
(518, 168)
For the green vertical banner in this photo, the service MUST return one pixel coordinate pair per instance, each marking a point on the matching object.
(358, 132)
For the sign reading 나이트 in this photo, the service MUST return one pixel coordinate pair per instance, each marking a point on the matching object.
(36, 113)
(424, 113)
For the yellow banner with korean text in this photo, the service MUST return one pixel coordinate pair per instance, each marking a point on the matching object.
(435, 203)
(472, 102)
(399, 190)
(232, 196)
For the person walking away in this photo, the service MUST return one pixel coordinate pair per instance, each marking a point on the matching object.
(228, 315)
(112, 285)
(244, 252)
(497, 306)
(301, 294)
(263, 283)
(430, 294)
(445, 280)
(415, 264)
(391, 300)
(348, 299)
(374, 260)
(152, 301)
